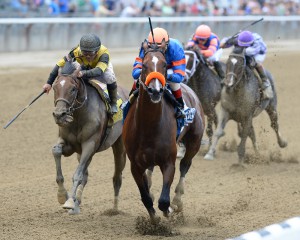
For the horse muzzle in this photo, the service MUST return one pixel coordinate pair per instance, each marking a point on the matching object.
(155, 94)
(62, 118)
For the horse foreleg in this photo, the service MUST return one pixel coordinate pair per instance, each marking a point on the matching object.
(149, 173)
(120, 161)
(142, 183)
(223, 118)
(245, 131)
(62, 194)
(168, 172)
(86, 156)
(274, 124)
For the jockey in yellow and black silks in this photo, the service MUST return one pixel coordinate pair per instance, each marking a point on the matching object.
(94, 60)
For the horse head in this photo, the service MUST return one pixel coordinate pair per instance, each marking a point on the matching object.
(235, 67)
(154, 71)
(66, 94)
(193, 57)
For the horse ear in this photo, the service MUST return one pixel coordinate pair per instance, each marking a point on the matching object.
(145, 45)
(163, 45)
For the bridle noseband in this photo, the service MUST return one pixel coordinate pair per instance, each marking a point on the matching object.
(75, 101)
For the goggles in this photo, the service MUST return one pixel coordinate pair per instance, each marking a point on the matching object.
(88, 54)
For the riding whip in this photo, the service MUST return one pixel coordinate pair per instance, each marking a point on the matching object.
(150, 23)
(11, 121)
(257, 21)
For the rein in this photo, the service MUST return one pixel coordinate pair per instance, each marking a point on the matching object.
(75, 101)
(234, 74)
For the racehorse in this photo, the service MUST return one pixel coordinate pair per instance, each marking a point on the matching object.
(149, 133)
(206, 84)
(241, 101)
(82, 118)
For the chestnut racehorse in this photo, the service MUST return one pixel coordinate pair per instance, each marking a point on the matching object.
(149, 133)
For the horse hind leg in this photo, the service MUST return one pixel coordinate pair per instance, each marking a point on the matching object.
(274, 124)
(120, 161)
(62, 194)
(185, 164)
(223, 118)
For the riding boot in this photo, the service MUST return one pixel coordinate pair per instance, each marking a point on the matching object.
(113, 95)
(219, 70)
(180, 108)
(265, 83)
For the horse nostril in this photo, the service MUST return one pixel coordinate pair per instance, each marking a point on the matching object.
(150, 90)
(59, 114)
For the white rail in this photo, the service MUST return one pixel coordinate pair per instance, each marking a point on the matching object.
(287, 230)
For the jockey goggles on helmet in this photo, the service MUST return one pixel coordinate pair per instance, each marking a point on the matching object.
(159, 35)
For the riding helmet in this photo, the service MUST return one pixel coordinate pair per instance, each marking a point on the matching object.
(90, 42)
(159, 35)
(203, 32)
(245, 39)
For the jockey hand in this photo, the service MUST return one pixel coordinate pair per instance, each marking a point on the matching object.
(47, 88)
(80, 74)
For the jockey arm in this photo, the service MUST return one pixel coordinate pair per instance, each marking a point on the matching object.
(138, 64)
(176, 56)
(212, 48)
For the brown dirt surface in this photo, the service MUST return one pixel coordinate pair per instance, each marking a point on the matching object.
(219, 202)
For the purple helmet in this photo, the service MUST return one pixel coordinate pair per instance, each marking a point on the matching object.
(245, 39)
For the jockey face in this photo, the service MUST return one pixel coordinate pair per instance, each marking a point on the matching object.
(90, 56)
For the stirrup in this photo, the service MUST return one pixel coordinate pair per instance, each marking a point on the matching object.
(179, 113)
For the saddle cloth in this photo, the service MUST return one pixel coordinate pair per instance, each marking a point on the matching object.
(102, 90)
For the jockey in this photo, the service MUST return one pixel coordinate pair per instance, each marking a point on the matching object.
(255, 52)
(209, 44)
(176, 64)
(94, 60)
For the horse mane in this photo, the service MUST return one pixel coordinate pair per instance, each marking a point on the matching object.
(68, 68)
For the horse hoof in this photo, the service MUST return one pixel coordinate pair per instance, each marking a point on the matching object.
(62, 196)
(282, 144)
(209, 157)
(69, 204)
(154, 219)
(74, 211)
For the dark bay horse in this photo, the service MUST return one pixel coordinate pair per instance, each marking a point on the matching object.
(82, 118)
(149, 133)
(241, 101)
(206, 84)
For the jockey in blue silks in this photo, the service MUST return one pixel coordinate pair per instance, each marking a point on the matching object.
(175, 58)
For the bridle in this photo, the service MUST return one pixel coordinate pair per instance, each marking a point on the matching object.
(231, 73)
(75, 101)
(151, 75)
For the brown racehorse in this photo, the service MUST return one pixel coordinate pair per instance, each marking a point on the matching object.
(82, 119)
(149, 133)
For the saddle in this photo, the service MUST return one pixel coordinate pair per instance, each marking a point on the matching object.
(112, 118)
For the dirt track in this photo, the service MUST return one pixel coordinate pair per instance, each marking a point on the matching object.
(218, 203)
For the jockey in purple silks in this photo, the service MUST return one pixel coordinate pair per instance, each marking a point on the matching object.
(255, 51)
(175, 58)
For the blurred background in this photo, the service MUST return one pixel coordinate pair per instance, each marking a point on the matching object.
(41, 25)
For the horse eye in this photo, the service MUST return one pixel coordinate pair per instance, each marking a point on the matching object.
(73, 90)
